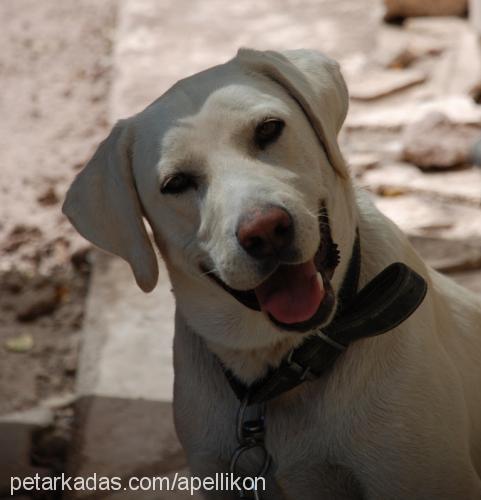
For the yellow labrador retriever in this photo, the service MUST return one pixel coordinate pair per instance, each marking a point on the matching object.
(278, 265)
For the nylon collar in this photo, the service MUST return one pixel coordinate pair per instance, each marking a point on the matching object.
(384, 303)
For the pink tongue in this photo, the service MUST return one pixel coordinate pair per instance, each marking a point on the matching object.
(292, 294)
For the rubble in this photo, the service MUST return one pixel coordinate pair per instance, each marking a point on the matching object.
(39, 302)
(476, 152)
(462, 186)
(48, 197)
(20, 343)
(460, 109)
(16, 436)
(475, 15)
(407, 50)
(421, 214)
(448, 256)
(412, 8)
(434, 142)
(380, 83)
(459, 68)
(360, 162)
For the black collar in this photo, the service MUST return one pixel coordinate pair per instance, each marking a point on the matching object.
(384, 303)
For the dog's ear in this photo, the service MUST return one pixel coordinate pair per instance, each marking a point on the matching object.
(103, 205)
(316, 83)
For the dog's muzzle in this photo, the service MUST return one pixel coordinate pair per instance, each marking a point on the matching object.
(295, 297)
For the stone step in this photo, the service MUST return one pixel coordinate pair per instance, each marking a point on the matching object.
(124, 424)
(17, 431)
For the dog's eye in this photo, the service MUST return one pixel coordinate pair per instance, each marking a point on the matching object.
(268, 131)
(178, 183)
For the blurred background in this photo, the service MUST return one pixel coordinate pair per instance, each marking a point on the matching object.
(85, 358)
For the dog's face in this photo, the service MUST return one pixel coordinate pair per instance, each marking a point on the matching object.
(236, 174)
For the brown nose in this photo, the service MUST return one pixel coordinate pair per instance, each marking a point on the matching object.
(265, 231)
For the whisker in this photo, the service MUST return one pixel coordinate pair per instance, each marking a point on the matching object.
(209, 271)
(321, 214)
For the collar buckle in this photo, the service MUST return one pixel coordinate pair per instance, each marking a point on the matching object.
(298, 371)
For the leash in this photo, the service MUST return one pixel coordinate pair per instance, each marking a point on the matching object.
(383, 304)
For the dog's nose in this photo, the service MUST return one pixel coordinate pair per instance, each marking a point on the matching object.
(265, 231)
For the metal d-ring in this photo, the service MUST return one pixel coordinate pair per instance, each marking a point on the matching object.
(242, 449)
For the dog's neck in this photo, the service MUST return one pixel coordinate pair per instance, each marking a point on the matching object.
(250, 365)
(246, 343)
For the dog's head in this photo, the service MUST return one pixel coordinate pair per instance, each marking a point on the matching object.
(235, 169)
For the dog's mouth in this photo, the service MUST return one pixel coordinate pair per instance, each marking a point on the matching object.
(295, 297)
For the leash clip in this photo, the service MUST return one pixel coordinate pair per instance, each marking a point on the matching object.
(250, 435)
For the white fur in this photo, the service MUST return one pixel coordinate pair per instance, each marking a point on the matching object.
(399, 417)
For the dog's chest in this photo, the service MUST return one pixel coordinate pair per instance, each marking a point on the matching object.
(298, 436)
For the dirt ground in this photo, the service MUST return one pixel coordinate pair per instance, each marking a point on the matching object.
(55, 71)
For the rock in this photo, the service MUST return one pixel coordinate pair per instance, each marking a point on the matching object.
(396, 9)
(447, 235)
(460, 109)
(429, 217)
(444, 29)
(392, 47)
(13, 282)
(80, 258)
(16, 435)
(70, 364)
(59, 401)
(436, 143)
(402, 59)
(476, 93)
(21, 343)
(447, 255)
(360, 162)
(48, 197)
(19, 236)
(459, 69)
(38, 418)
(475, 15)
(39, 302)
(381, 83)
(476, 152)
(457, 185)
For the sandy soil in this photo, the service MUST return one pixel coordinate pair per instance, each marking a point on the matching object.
(55, 70)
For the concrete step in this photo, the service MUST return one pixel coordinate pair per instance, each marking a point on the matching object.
(124, 425)
(17, 432)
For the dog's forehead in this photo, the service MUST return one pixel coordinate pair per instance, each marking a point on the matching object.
(204, 102)
(188, 96)
(226, 111)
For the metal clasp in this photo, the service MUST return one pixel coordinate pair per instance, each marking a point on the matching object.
(303, 373)
(250, 435)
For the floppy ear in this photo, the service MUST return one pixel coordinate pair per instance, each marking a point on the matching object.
(103, 205)
(316, 83)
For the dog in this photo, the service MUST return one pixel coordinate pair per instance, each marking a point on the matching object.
(239, 174)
